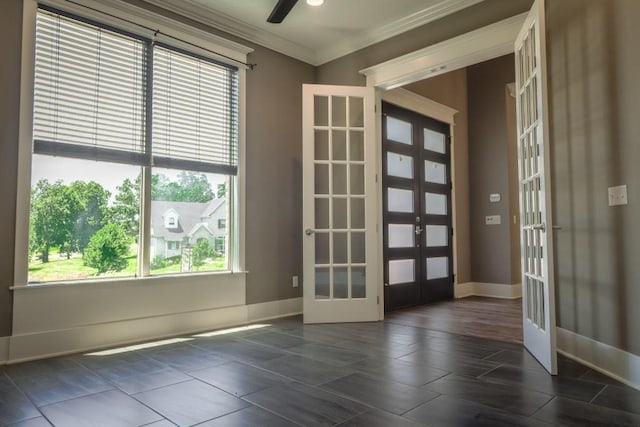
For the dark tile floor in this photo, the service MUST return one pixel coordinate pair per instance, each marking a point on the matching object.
(287, 374)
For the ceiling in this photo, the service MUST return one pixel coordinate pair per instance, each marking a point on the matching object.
(316, 35)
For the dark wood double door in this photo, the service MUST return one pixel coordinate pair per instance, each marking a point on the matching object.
(417, 226)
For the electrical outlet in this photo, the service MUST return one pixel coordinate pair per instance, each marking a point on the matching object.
(492, 220)
(294, 281)
(618, 195)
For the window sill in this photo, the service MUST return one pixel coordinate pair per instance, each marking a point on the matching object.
(131, 280)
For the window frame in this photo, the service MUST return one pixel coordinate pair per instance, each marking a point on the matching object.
(117, 16)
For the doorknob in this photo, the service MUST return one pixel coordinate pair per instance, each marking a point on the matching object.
(309, 231)
(541, 227)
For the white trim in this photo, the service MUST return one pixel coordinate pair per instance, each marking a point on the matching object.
(608, 360)
(470, 48)
(155, 21)
(414, 102)
(4, 350)
(38, 345)
(491, 290)
(235, 27)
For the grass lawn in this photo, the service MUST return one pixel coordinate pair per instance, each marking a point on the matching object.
(60, 268)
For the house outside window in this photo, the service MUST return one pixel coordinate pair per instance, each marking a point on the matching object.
(97, 164)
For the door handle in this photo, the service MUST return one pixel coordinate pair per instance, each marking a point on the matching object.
(418, 230)
(309, 231)
(542, 227)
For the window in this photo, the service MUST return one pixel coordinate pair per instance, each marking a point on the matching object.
(222, 224)
(156, 130)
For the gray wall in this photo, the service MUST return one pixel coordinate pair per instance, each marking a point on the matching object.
(10, 49)
(491, 246)
(345, 70)
(594, 64)
(450, 89)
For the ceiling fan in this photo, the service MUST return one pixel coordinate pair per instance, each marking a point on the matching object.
(283, 7)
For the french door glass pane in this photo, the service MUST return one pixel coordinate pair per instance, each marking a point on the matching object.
(357, 212)
(322, 282)
(436, 235)
(339, 145)
(401, 271)
(358, 288)
(357, 248)
(338, 111)
(321, 145)
(434, 141)
(339, 179)
(339, 213)
(340, 254)
(399, 130)
(322, 214)
(322, 248)
(356, 112)
(356, 179)
(401, 235)
(435, 204)
(437, 267)
(399, 200)
(435, 172)
(321, 179)
(356, 145)
(321, 110)
(399, 165)
(341, 282)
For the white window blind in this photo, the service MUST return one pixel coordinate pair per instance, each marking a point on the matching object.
(195, 112)
(90, 91)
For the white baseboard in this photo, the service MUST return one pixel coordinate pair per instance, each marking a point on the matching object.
(608, 360)
(31, 346)
(4, 349)
(493, 290)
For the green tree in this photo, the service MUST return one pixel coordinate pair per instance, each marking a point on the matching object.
(126, 207)
(221, 191)
(54, 209)
(189, 187)
(108, 249)
(201, 251)
(94, 199)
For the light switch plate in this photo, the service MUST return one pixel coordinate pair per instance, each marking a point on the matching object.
(618, 195)
(492, 220)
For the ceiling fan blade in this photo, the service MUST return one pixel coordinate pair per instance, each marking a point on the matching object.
(281, 11)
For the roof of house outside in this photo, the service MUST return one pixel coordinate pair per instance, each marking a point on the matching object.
(190, 214)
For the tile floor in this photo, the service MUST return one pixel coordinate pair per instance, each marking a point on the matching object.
(287, 374)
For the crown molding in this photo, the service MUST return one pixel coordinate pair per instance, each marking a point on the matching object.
(467, 49)
(415, 20)
(192, 10)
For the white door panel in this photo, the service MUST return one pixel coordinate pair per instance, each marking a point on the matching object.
(538, 305)
(340, 282)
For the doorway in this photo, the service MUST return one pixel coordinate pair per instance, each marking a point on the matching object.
(417, 214)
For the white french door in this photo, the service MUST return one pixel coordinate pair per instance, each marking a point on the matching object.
(538, 305)
(340, 282)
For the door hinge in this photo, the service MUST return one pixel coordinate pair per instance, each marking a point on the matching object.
(451, 186)
(376, 177)
(378, 299)
(452, 231)
(453, 278)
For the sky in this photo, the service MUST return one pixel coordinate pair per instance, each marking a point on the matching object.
(109, 175)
